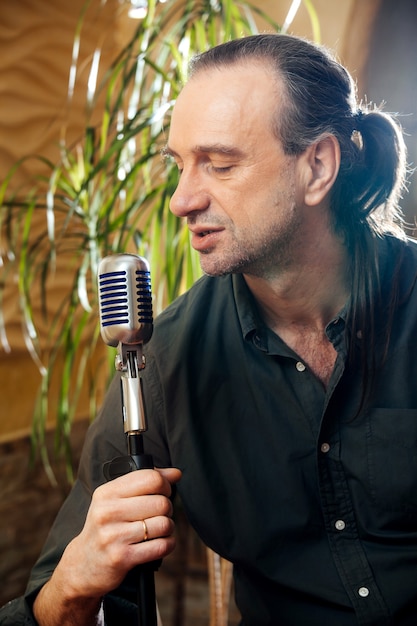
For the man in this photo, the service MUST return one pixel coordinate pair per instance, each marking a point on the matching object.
(281, 389)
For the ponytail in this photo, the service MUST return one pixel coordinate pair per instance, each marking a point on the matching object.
(371, 177)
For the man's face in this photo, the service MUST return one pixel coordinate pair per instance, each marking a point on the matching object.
(237, 188)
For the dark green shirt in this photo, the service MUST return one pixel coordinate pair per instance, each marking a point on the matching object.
(311, 496)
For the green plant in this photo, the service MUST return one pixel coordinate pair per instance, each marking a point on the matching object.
(109, 193)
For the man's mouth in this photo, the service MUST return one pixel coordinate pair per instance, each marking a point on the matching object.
(203, 239)
(200, 231)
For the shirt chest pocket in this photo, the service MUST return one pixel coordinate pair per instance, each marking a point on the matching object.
(392, 460)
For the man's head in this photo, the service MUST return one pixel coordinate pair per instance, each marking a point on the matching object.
(246, 199)
(316, 99)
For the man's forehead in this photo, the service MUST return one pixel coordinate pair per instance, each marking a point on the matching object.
(227, 93)
(221, 108)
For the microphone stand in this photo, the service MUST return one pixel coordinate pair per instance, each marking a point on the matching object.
(129, 361)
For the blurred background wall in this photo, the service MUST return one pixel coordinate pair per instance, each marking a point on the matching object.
(375, 39)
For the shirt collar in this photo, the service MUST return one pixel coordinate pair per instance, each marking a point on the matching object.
(245, 306)
(254, 329)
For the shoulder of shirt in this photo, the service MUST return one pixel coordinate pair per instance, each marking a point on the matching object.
(398, 263)
(392, 247)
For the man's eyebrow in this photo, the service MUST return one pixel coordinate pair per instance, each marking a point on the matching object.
(216, 148)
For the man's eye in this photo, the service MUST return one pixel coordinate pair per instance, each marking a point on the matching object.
(222, 170)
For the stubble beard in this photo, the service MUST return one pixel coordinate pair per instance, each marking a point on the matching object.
(267, 255)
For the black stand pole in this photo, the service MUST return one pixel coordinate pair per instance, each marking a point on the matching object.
(145, 573)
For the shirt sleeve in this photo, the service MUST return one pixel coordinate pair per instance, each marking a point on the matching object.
(104, 441)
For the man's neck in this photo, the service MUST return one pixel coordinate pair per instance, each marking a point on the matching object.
(307, 304)
(298, 305)
(304, 295)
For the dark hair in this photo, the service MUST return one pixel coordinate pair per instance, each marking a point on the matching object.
(320, 99)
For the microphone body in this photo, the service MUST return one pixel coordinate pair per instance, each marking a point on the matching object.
(125, 306)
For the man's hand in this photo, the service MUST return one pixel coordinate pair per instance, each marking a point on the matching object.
(111, 543)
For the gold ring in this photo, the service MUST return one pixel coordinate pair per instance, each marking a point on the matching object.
(145, 531)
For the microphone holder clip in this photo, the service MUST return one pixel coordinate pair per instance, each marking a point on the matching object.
(130, 361)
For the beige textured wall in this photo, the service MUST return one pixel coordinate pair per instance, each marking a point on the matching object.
(35, 52)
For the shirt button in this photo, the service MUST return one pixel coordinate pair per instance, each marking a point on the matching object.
(340, 524)
(325, 447)
(363, 592)
(300, 366)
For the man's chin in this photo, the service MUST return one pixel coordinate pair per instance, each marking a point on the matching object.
(213, 273)
(213, 268)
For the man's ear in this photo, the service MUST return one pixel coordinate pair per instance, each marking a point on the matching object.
(321, 165)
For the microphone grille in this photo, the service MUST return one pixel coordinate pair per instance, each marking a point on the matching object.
(125, 299)
(144, 296)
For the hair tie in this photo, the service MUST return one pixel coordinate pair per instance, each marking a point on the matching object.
(358, 117)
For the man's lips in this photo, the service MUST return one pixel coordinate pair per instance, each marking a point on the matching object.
(203, 233)
(204, 237)
(200, 231)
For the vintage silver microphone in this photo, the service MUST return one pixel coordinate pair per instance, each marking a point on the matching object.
(125, 306)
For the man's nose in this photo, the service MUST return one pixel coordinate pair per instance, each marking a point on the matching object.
(189, 196)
